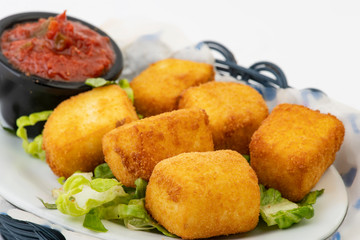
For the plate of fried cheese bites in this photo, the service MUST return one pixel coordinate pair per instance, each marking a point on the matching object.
(178, 153)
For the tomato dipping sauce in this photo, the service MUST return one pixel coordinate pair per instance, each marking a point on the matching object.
(58, 49)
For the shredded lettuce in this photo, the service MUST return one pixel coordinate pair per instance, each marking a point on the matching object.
(311, 197)
(61, 180)
(104, 198)
(9, 130)
(48, 205)
(133, 213)
(276, 210)
(103, 171)
(80, 193)
(33, 148)
(123, 83)
(98, 82)
(247, 157)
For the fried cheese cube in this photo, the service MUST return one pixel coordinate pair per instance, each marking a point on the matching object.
(202, 195)
(72, 134)
(293, 148)
(157, 88)
(133, 150)
(235, 111)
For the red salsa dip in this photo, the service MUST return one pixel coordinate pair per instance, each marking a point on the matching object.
(58, 49)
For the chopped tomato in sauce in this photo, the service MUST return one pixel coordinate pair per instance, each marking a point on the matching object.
(58, 49)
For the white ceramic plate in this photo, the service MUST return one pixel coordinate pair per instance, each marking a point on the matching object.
(24, 179)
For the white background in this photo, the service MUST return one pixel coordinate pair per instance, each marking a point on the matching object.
(316, 43)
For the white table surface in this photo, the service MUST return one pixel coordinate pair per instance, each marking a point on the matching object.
(316, 43)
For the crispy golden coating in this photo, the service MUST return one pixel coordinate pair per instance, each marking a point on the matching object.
(201, 195)
(235, 111)
(293, 148)
(133, 150)
(72, 134)
(157, 88)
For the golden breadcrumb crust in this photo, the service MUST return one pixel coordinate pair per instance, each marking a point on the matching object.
(293, 148)
(72, 134)
(235, 111)
(133, 150)
(201, 195)
(157, 88)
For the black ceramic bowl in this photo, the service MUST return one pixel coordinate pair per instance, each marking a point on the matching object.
(21, 94)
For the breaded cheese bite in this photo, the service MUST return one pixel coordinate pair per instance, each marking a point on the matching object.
(202, 195)
(72, 134)
(293, 148)
(157, 88)
(133, 150)
(235, 111)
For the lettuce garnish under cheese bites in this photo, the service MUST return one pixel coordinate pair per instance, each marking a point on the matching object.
(133, 150)
(275, 210)
(33, 148)
(104, 199)
(202, 195)
(293, 148)
(157, 88)
(72, 134)
(235, 111)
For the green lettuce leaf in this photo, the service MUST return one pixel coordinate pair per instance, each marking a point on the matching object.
(48, 205)
(33, 148)
(104, 198)
(247, 157)
(133, 213)
(276, 210)
(100, 82)
(103, 171)
(9, 130)
(80, 193)
(311, 197)
(92, 221)
(124, 84)
(140, 190)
